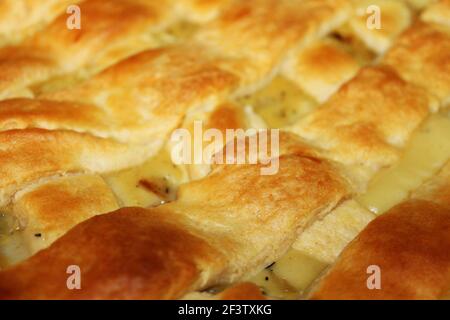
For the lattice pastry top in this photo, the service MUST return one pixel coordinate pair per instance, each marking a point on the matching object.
(353, 94)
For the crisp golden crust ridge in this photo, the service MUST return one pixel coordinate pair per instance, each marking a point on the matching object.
(103, 27)
(213, 239)
(154, 258)
(213, 234)
(320, 69)
(148, 95)
(28, 155)
(411, 240)
(438, 12)
(367, 119)
(46, 210)
(257, 35)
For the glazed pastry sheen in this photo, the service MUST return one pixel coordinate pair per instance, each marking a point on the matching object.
(85, 120)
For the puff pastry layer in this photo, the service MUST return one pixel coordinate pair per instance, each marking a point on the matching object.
(81, 107)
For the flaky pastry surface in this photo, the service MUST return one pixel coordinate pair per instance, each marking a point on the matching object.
(78, 107)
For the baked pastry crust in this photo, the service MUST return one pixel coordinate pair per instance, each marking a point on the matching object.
(368, 118)
(424, 49)
(191, 243)
(257, 47)
(21, 18)
(103, 39)
(411, 240)
(96, 101)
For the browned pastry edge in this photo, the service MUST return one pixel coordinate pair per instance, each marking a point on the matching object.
(22, 18)
(41, 141)
(412, 240)
(422, 57)
(368, 119)
(131, 254)
(218, 229)
(410, 244)
(163, 295)
(48, 209)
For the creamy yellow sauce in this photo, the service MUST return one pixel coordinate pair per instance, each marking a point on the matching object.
(12, 248)
(289, 277)
(316, 248)
(279, 104)
(130, 46)
(427, 151)
(153, 183)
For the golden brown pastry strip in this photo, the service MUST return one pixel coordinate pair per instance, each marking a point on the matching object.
(428, 54)
(321, 68)
(104, 38)
(371, 117)
(256, 36)
(49, 208)
(410, 246)
(212, 234)
(21, 18)
(395, 17)
(438, 12)
(132, 106)
(368, 120)
(261, 73)
(131, 254)
(200, 11)
(29, 155)
(424, 49)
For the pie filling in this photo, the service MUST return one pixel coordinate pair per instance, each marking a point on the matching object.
(12, 248)
(151, 184)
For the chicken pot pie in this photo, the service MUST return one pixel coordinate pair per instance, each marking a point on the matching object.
(87, 177)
